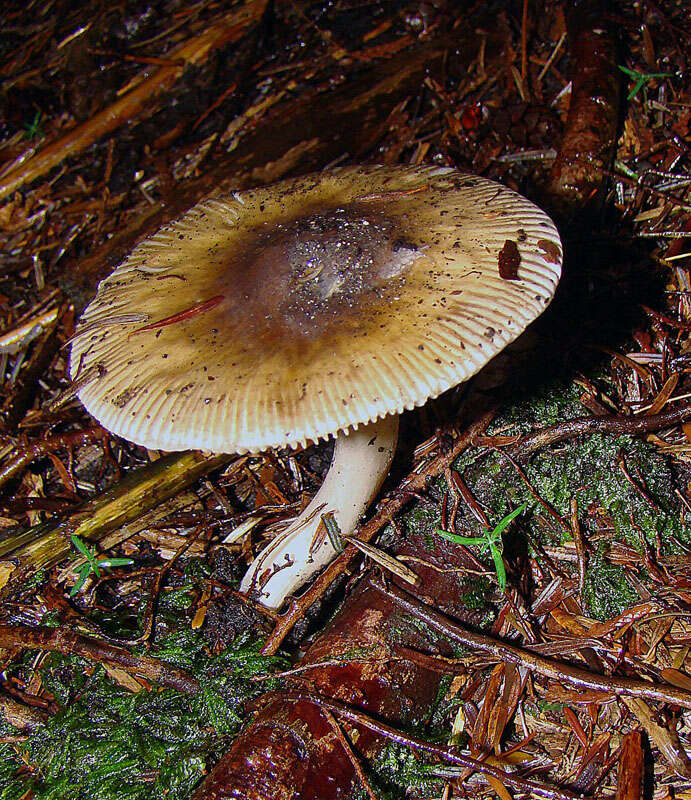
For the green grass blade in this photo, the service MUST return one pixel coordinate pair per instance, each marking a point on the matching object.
(504, 523)
(498, 566)
(469, 541)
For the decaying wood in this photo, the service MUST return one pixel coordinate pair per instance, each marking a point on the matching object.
(587, 147)
(360, 720)
(292, 747)
(48, 543)
(138, 101)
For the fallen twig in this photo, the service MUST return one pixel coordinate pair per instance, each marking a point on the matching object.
(559, 671)
(67, 642)
(348, 750)
(631, 768)
(585, 425)
(25, 453)
(14, 406)
(47, 544)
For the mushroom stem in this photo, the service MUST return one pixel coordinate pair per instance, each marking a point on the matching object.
(360, 462)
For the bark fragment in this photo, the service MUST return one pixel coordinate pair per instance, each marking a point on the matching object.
(587, 147)
(290, 750)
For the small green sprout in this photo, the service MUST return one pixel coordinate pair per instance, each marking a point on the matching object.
(93, 565)
(490, 541)
(33, 129)
(640, 79)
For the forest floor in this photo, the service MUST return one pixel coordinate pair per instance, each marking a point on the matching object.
(129, 664)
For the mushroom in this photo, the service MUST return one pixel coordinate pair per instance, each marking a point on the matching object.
(321, 306)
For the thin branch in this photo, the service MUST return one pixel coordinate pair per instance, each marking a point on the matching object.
(558, 671)
(584, 425)
(27, 452)
(59, 640)
(345, 744)
(47, 544)
(590, 134)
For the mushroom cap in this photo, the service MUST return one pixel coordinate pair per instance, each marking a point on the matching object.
(291, 312)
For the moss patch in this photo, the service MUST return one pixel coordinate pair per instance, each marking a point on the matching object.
(111, 744)
(623, 486)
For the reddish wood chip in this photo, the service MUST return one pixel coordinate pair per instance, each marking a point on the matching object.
(631, 768)
(552, 252)
(509, 261)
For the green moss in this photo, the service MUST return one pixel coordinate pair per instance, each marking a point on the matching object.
(422, 520)
(401, 626)
(111, 744)
(35, 580)
(178, 599)
(593, 471)
(641, 509)
(475, 597)
(555, 403)
(51, 619)
(398, 774)
(544, 706)
(606, 592)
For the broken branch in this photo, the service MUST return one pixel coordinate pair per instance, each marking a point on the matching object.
(47, 544)
(559, 671)
(67, 642)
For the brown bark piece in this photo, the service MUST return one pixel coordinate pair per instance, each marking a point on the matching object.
(291, 750)
(662, 736)
(587, 147)
(630, 776)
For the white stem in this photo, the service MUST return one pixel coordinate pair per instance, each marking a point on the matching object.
(359, 465)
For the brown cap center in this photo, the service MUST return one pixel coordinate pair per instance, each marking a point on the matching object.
(299, 278)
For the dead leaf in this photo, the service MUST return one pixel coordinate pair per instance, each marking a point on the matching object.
(663, 738)
(124, 678)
